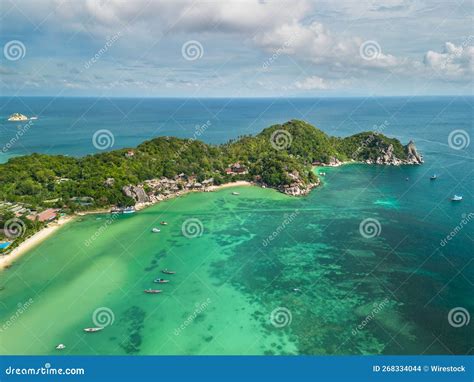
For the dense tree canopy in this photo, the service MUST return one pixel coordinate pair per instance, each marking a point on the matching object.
(38, 179)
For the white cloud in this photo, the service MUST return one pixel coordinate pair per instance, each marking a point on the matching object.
(454, 61)
(312, 83)
(319, 83)
(316, 44)
(185, 15)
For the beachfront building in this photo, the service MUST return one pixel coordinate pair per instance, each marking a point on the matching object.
(236, 169)
(45, 216)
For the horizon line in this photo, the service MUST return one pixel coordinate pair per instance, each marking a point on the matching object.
(242, 97)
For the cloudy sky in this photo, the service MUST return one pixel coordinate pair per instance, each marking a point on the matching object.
(236, 48)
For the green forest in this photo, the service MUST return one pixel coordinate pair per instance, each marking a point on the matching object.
(40, 180)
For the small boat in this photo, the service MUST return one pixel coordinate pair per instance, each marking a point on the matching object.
(153, 291)
(167, 272)
(456, 198)
(161, 281)
(60, 347)
(33, 118)
(128, 210)
(322, 173)
(93, 330)
(433, 177)
(155, 230)
(164, 223)
(235, 193)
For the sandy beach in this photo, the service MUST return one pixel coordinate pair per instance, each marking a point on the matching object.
(43, 234)
(33, 241)
(239, 183)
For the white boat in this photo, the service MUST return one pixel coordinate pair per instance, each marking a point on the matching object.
(33, 118)
(93, 330)
(235, 193)
(155, 230)
(128, 210)
(456, 198)
(433, 177)
(60, 347)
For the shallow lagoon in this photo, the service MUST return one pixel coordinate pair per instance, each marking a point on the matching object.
(317, 287)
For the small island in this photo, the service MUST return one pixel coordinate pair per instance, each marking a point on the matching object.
(39, 188)
(15, 117)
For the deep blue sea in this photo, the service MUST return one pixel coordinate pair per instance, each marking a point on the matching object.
(67, 125)
(407, 290)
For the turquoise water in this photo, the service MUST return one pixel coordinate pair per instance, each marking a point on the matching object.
(331, 290)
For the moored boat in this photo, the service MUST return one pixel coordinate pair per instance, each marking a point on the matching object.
(161, 281)
(153, 291)
(60, 347)
(236, 193)
(433, 177)
(93, 330)
(456, 198)
(167, 272)
(155, 230)
(164, 223)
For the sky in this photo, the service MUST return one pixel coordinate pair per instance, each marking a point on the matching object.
(243, 48)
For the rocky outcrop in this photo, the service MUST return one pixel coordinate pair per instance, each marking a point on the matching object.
(137, 193)
(297, 187)
(387, 156)
(413, 157)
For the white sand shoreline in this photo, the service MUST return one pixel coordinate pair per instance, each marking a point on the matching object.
(43, 234)
(33, 241)
(238, 183)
